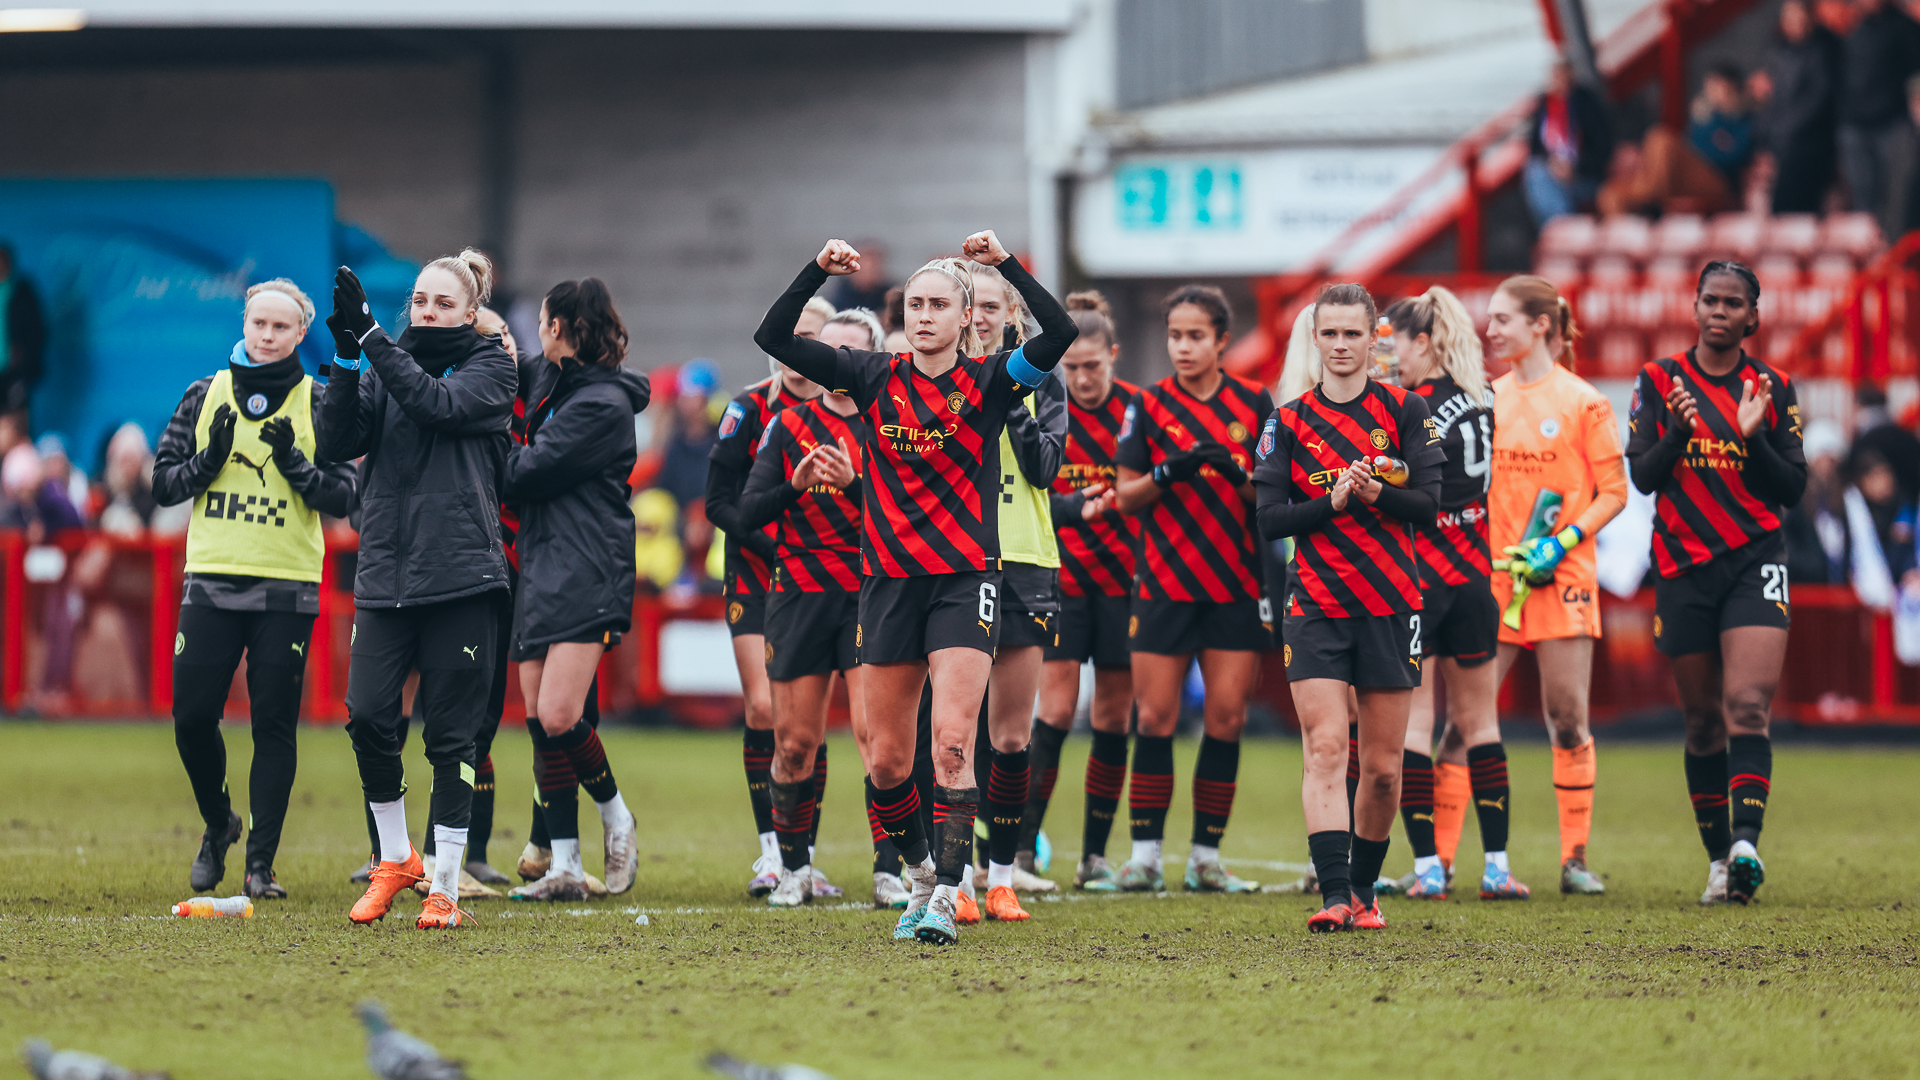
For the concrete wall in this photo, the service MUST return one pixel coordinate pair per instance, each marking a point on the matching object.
(693, 170)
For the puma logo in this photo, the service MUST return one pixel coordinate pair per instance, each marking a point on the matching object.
(1316, 447)
(1496, 804)
(898, 400)
(259, 470)
(300, 647)
(1428, 818)
(985, 626)
(470, 651)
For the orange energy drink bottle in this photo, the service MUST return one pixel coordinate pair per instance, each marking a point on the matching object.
(215, 907)
(1390, 470)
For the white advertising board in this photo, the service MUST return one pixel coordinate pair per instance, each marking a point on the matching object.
(1255, 212)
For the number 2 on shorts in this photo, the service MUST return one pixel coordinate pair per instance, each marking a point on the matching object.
(1413, 624)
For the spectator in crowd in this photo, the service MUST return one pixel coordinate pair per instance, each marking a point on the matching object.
(1880, 527)
(13, 431)
(1801, 116)
(683, 467)
(23, 335)
(1878, 57)
(1816, 528)
(31, 501)
(866, 287)
(658, 557)
(893, 320)
(1663, 173)
(60, 468)
(1874, 428)
(1570, 143)
(1722, 129)
(124, 494)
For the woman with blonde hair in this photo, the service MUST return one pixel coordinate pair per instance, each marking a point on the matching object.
(1557, 477)
(429, 412)
(1441, 360)
(242, 446)
(1300, 372)
(931, 547)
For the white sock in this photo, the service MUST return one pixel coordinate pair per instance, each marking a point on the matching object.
(769, 845)
(614, 814)
(810, 848)
(1203, 855)
(390, 820)
(1424, 863)
(999, 874)
(966, 883)
(1147, 853)
(1496, 860)
(566, 857)
(450, 848)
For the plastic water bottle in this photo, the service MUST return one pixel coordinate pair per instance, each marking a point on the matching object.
(215, 907)
(1390, 470)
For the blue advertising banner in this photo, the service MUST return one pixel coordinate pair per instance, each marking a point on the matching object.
(144, 280)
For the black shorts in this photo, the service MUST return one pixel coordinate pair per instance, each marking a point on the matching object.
(1745, 587)
(605, 637)
(1093, 628)
(810, 633)
(1367, 652)
(1461, 622)
(1030, 602)
(746, 613)
(904, 618)
(1184, 627)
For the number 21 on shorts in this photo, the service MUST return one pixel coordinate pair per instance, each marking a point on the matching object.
(1773, 582)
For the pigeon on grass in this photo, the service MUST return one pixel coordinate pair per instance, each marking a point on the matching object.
(393, 1054)
(46, 1063)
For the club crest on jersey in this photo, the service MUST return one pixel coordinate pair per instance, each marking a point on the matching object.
(1265, 446)
(1634, 405)
(1550, 427)
(956, 401)
(1237, 431)
(735, 610)
(256, 404)
(1126, 423)
(730, 420)
(1378, 438)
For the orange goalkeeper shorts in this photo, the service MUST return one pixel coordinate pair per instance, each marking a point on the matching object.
(1564, 608)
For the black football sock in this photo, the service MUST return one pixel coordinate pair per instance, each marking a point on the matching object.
(451, 803)
(1707, 786)
(582, 746)
(1152, 789)
(1487, 769)
(559, 791)
(1416, 802)
(982, 768)
(1329, 851)
(1106, 775)
(953, 813)
(757, 752)
(793, 820)
(1353, 770)
(481, 830)
(1008, 784)
(886, 857)
(898, 809)
(537, 827)
(1368, 857)
(1045, 745)
(819, 792)
(924, 781)
(1749, 781)
(1214, 778)
(373, 832)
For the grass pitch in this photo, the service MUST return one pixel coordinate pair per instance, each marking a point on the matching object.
(1818, 979)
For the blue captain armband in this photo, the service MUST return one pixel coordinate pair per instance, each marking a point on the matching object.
(351, 365)
(1024, 373)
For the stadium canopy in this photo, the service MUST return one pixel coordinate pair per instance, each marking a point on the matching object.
(1030, 16)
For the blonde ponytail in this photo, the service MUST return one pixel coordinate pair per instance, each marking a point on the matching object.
(1569, 332)
(1301, 371)
(1455, 345)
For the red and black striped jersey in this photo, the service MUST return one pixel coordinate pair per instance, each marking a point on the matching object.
(1098, 557)
(1454, 549)
(738, 439)
(1361, 561)
(1197, 541)
(819, 532)
(1711, 503)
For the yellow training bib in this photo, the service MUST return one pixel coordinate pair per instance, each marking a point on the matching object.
(251, 521)
(1026, 518)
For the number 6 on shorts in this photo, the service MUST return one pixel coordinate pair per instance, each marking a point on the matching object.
(987, 596)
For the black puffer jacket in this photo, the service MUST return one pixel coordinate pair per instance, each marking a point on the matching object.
(569, 484)
(430, 414)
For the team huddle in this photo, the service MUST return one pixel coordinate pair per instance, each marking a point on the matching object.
(956, 528)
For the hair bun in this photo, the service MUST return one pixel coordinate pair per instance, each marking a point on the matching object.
(482, 268)
(1088, 300)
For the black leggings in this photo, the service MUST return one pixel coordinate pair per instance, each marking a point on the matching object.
(206, 652)
(452, 644)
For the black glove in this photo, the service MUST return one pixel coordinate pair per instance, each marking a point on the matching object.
(1222, 461)
(344, 346)
(278, 433)
(220, 437)
(352, 317)
(1177, 468)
